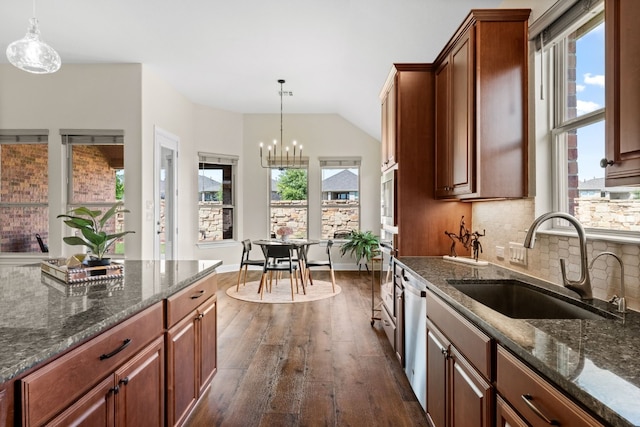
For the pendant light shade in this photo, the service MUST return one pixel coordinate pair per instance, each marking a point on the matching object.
(32, 54)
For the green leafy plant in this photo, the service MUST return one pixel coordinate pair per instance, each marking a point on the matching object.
(361, 245)
(91, 224)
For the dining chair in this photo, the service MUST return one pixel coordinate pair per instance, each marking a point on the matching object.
(309, 264)
(245, 262)
(279, 259)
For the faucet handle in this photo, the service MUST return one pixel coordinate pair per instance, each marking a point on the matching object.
(614, 299)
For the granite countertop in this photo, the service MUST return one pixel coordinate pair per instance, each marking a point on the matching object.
(41, 316)
(597, 362)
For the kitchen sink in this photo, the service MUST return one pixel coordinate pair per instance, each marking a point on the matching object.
(521, 300)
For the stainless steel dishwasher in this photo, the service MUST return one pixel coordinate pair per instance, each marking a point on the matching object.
(415, 336)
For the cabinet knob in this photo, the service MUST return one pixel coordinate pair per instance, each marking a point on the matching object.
(604, 162)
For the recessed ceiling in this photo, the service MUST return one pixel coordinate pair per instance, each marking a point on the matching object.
(334, 54)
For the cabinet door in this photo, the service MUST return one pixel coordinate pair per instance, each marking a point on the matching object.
(507, 417)
(182, 387)
(140, 397)
(471, 396)
(208, 345)
(622, 89)
(462, 115)
(437, 355)
(93, 409)
(389, 129)
(443, 142)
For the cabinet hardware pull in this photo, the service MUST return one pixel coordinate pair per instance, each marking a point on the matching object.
(124, 381)
(528, 400)
(198, 295)
(124, 345)
(604, 163)
(114, 390)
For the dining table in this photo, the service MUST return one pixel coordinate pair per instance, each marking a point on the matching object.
(301, 246)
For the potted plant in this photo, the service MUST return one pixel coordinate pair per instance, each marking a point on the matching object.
(362, 245)
(91, 224)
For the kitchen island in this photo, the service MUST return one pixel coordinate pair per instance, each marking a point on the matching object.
(593, 362)
(42, 318)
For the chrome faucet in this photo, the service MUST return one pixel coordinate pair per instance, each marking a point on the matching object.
(582, 286)
(620, 301)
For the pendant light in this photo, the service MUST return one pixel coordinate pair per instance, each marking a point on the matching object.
(32, 54)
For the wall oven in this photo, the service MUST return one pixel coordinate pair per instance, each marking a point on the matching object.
(387, 201)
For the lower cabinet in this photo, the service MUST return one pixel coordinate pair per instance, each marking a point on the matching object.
(537, 401)
(116, 377)
(506, 416)
(191, 348)
(132, 396)
(457, 395)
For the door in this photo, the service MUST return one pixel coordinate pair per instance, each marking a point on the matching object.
(182, 365)
(437, 359)
(166, 194)
(94, 409)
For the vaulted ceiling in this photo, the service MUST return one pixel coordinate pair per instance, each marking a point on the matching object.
(334, 54)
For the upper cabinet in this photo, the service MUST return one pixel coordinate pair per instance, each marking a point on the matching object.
(481, 108)
(388, 98)
(622, 87)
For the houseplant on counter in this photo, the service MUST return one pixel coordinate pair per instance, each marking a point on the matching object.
(92, 226)
(361, 245)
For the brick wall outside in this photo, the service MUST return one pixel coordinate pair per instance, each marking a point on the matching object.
(23, 178)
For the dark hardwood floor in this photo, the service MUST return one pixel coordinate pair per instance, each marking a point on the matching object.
(318, 363)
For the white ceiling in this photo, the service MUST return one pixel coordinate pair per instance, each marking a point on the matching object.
(334, 54)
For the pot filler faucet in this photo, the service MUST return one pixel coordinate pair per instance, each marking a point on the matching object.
(582, 286)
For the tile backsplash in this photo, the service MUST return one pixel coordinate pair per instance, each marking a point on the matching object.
(507, 221)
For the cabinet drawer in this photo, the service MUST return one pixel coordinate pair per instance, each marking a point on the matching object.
(388, 326)
(471, 341)
(53, 387)
(527, 392)
(185, 301)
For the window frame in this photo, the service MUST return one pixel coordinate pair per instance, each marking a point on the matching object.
(89, 137)
(552, 110)
(220, 160)
(340, 163)
(28, 136)
(305, 167)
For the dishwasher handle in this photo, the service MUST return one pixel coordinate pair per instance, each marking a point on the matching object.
(414, 288)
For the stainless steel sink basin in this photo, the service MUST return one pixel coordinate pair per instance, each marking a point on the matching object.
(521, 300)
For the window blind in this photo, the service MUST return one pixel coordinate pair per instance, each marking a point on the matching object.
(343, 162)
(92, 136)
(24, 136)
(553, 23)
(220, 159)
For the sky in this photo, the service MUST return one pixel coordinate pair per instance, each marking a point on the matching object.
(590, 97)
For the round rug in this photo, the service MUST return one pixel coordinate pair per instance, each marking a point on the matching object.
(281, 294)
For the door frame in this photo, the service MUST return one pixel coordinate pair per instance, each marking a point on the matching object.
(165, 139)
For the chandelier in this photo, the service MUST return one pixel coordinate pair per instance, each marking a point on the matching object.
(281, 157)
(32, 54)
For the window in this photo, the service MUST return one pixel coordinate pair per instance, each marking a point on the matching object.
(24, 188)
(288, 202)
(96, 173)
(577, 58)
(216, 198)
(340, 196)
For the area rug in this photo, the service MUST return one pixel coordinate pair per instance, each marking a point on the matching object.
(281, 294)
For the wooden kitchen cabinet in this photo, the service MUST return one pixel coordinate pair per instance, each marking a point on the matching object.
(388, 157)
(459, 369)
(506, 416)
(132, 396)
(408, 117)
(622, 104)
(191, 347)
(88, 379)
(537, 401)
(481, 108)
